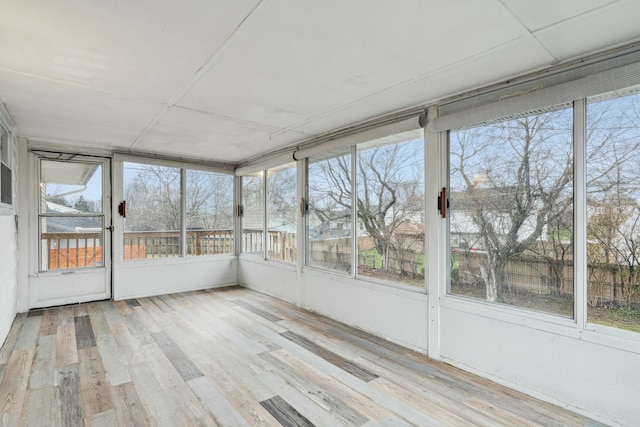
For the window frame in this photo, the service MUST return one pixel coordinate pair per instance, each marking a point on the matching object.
(354, 151)
(183, 167)
(6, 151)
(577, 327)
(294, 167)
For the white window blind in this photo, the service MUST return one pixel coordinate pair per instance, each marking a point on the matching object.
(541, 100)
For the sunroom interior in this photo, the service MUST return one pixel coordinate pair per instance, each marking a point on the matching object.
(459, 178)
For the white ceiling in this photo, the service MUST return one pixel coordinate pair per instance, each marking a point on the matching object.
(228, 80)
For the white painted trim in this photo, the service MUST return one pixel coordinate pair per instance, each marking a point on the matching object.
(435, 232)
(168, 162)
(580, 279)
(25, 249)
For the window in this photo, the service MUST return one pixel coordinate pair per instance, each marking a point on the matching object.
(253, 214)
(613, 209)
(209, 213)
(511, 212)
(390, 206)
(152, 227)
(71, 216)
(6, 185)
(329, 213)
(281, 213)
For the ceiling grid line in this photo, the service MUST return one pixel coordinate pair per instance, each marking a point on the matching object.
(209, 63)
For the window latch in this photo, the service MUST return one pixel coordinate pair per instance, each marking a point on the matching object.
(239, 211)
(443, 203)
(122, 209)
(304, 208)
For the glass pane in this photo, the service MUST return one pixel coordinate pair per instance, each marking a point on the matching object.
(152, 225)
(4, 146)
(70, 187)
(71, 242)
(613, 210)
(209, 213)
(511, 212)
(329, 214)
(253, 219)
(390, 226)
(281, 213)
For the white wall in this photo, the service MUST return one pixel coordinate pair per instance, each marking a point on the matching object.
(8, 255)
(389, 312)
(8, 274)
(584, 370)
(141, 279)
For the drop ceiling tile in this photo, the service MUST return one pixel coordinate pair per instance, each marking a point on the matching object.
(142, 49)
(516, 58)
(282, 68)
(201, 135)
(539, 14)
(604, 28)
(58, 111)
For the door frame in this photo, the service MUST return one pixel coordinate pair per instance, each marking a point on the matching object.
(70, 283)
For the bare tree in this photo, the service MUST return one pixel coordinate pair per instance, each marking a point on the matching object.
(514, 179)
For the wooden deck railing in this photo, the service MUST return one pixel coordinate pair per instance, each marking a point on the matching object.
(72, 250)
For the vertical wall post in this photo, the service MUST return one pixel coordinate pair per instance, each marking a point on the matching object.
(436, 171)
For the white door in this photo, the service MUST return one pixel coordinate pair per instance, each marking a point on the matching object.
(72, 229)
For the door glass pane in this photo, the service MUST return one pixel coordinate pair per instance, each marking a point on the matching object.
(152, 224)
(329, 215)
(70, 187)
(71, 242)
(511, 212)
(209, 213)
(253, 218)
(281, 213)
(71, 224)
(613, 209)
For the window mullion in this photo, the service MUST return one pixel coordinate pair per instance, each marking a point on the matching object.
(354, 213)
(183, 211)
(580, 282)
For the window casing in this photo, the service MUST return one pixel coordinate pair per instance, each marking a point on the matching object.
(365, 213)
(613, 209)
(281, 213)
(589, 270)
(511, 212)
(390, 209)
(328, 217)
(253, 214)
(6, 184)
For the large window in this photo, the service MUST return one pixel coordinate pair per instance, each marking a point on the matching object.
(281, 213)
(329, 230)
(253, 214)
(390, 208)
(511, 212)
(156, 225)
(152, 225)
(613, 209)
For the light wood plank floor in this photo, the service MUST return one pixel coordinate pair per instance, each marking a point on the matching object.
(233, 357)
